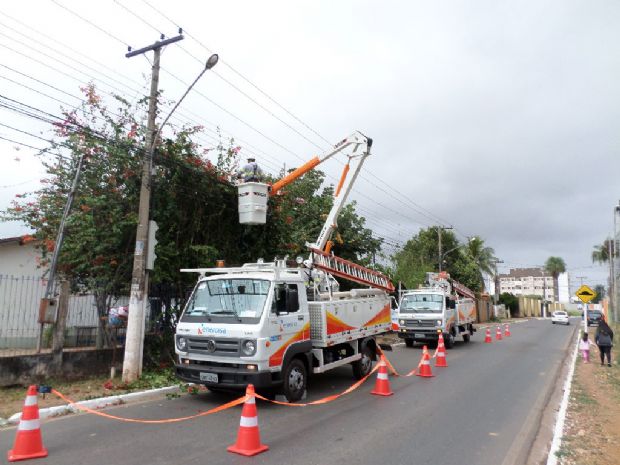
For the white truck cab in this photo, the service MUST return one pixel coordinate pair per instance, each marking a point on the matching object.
(426, 312)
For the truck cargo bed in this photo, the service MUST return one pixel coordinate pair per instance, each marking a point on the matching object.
(336, 321)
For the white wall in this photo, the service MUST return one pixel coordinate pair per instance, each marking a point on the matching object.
(564, 289)
(19, 260)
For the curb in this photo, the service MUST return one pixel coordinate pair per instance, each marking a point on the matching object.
(558, 430)
(101, 402)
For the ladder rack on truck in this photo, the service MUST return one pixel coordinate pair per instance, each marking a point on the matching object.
(352, 271)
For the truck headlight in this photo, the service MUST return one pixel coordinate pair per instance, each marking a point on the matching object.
(439, 322)
(182, 343)
(401, 322)
(248, 347)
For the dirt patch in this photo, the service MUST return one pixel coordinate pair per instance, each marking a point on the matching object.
(592, 427)
(12, 398)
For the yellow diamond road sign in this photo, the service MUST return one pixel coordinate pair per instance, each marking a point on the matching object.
(585, 294)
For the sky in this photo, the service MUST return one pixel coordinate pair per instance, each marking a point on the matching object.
(500, 119)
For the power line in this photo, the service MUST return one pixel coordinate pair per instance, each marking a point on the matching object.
(18, 184)
(71, 49)
(91, 23)
(247, 124)
(418, 208)
(241, 76)
(39, 150)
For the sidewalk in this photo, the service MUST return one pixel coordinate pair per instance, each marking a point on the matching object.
(592, 427)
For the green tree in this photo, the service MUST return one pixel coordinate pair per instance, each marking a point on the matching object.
(420, 255)
(555, 266)
(193, 203)
(601, 254)
(482, 256)
(600, 293)
(510, 301)
(303, 209)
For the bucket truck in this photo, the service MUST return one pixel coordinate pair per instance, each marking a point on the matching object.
(272, 324)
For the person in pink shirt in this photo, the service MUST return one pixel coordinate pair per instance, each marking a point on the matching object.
(584, 346)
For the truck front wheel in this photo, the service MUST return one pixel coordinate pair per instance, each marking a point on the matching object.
(363, 366)
(409, 342)
(295, 379)
(448, 340)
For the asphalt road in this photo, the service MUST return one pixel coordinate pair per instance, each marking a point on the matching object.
(482, 409)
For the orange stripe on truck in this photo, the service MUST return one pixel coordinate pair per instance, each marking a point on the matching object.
(302, 335)
(336, 325)
(384, 316)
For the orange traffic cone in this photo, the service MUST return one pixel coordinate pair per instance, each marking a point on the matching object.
(507, 330)
(498, 334)
(440, 355)
(425, 365)
(248, 437)
(28, 442)
(487, 338)
(382, 386)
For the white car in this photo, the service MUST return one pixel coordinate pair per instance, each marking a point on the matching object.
(560, 317)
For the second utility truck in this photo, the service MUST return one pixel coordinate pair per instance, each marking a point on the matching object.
(443, 306)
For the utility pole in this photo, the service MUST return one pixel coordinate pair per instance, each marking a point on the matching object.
(544, 304)
(134, 344)
(48, 302)
(496, 279)
(615, 272)
(439, 229)
(611, 252)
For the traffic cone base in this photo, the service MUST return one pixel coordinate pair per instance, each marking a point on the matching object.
(425, 365)
(28, 443)
(382, 386)
(440, 360)
(248, 436)
(487, 338)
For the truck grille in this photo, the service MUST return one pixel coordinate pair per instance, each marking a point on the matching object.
(213, 346)
(420, 323)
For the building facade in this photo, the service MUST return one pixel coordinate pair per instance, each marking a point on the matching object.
(533, 282)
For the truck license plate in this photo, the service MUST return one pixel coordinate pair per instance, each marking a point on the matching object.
(419, 335)
(210, 377)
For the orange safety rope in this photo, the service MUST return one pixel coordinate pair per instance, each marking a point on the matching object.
(226, 406)
(391, 367)
(327, 399)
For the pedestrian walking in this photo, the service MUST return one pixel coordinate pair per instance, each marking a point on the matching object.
(604, 340)
(584, 347)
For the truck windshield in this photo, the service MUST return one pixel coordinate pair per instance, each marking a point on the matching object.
(422, 303)
(229, 298)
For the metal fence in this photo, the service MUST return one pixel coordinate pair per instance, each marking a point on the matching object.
(19, 311)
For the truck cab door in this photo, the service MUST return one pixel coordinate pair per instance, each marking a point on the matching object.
(450, 312)
(287, 320)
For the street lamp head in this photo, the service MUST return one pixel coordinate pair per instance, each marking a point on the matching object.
(212, 61)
